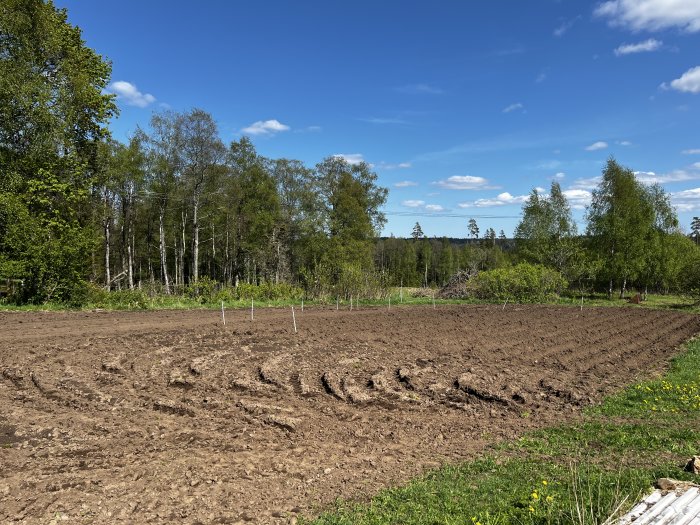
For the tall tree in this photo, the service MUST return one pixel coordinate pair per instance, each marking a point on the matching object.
(620, 218)
(53, 114)
(202, 157)
(417, 232)
(473, 229)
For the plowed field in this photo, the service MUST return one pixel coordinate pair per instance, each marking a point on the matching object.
(165, 417)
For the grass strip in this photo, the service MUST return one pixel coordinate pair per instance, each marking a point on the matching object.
(578, 473)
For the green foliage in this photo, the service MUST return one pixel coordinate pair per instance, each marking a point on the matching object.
(523, 283)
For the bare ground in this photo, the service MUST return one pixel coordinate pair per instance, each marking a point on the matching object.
(162, 417)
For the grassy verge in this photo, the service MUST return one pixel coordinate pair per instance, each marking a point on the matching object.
(581, 473)
(128, 300)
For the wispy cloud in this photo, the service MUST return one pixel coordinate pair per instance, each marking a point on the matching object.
(419, 89)
(686, 200)
(623, 143)
(513, 107)
(694, 151)
(502, 199)
(651, 15)
(564, 27)
(405, 184)
(266, 127)
(387, 166)
(586, 184)
(541, 78)
(413, 204)
(434, 207)
(641, 47)
(351, 158)
(559, 176)
(464, 182)
(130, 94)
(597, 145)
(689, 82)
(649, 177)
(309, 129)
(382, 120)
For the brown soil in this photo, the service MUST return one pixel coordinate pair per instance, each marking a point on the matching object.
(163, 417)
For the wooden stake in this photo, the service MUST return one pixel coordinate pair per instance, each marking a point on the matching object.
(433, 300)
(351, 303)
(504, 305)
(582, 302)
(390, 302)
(302, 305)
(223, 314)
(252, 310)
(337, 302)
(294, 320)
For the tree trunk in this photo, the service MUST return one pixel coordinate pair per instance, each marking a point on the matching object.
(163, 256)
(195, 243)
(623, 288)
(108, 275)
(130, 258)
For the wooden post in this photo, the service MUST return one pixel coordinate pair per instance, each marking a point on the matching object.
(252, 310)
(223, 314)
(504, 304)
(294, 320)
(302, 305)
(433, 300)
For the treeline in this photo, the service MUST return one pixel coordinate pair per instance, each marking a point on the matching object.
(176, 210)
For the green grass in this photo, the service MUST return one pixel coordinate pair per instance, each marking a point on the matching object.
(577, 473)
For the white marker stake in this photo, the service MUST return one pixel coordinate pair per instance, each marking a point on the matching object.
(390, 302)
(433, 301)
(294, 320)
(252, 310)
(302, 305)
(504, 305)
(582, 302)
(223, 315)
(351, 303)
(337, 301)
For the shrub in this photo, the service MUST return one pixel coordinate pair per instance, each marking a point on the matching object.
(525, 283)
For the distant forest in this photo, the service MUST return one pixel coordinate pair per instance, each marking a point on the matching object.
(177, 209)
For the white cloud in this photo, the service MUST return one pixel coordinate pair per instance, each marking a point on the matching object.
(413, 204)
(419, 89)
(131, 96)
(641, 47)
(541, 78)
(265, 127)
(351, 158)
(624, 143)
(586, 184)
(689, 82)
(691, 151)
(562, 28)
(383, 120)
(405, 184)
(513, 107)
(649, 177)
(652, 15)
(309, 129)
(597, 145)
(560, 175)
(434, 207)
(502, 199)
(399, 166)
(463, 182)
(686, 200)
(578, 198)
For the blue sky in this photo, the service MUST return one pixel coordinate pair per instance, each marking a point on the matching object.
(461, 107)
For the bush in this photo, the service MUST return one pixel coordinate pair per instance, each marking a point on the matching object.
(526, 283)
